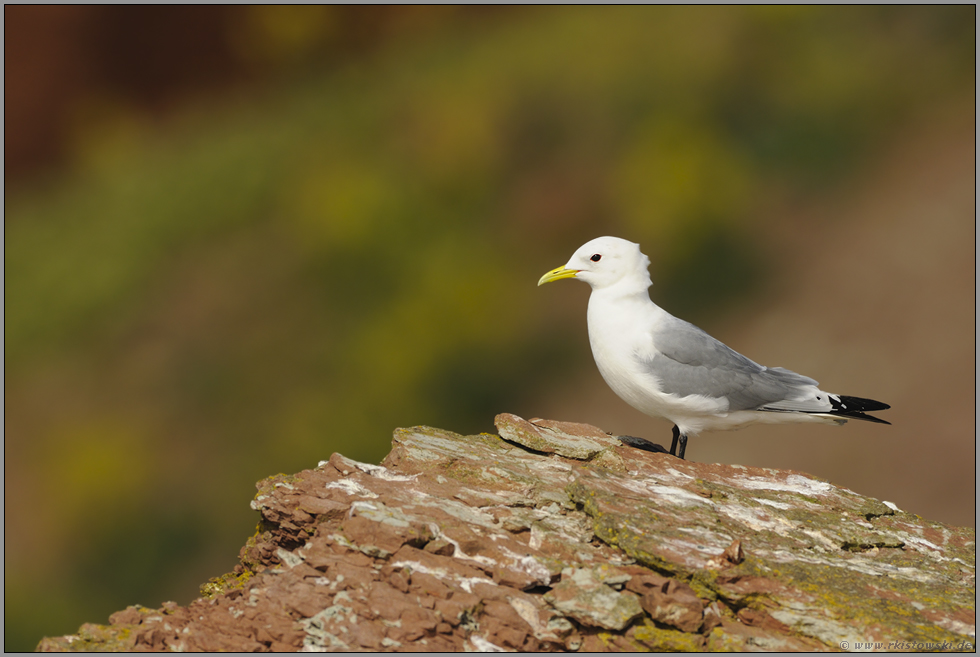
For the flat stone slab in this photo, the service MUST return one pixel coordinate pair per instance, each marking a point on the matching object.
(569, 439)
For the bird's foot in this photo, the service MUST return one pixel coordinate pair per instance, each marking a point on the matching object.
(642, 443)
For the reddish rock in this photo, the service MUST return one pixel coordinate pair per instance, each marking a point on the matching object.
(674, 604)
(474, 543)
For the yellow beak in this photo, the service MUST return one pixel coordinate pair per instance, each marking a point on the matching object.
(558, 274)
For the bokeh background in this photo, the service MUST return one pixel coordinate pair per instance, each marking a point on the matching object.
(238, 239)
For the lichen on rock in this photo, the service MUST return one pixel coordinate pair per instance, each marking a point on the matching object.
(555, 536)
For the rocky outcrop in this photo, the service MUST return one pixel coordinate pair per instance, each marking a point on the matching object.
(557, 536)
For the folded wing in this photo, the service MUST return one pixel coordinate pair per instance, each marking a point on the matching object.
(688, 361)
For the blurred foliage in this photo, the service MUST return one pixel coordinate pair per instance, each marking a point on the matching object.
(265, 281)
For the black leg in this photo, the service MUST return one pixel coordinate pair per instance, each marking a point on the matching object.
(673, 443)
(682, 448)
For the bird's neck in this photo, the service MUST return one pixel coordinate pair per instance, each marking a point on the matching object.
(634, 288)
(607, 304)
(619, 319)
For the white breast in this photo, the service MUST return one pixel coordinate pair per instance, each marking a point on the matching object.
(622, 349)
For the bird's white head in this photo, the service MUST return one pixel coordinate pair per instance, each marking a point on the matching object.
(604, 262)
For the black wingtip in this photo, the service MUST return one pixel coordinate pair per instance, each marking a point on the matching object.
(860, 404)
(855, 408)
(863, 416)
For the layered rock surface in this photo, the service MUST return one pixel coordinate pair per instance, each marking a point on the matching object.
(556, 536)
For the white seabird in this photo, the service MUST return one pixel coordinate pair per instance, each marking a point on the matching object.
(666, 367)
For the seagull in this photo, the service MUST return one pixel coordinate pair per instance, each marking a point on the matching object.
(666, 367)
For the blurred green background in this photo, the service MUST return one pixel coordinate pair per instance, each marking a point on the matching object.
(238, 239)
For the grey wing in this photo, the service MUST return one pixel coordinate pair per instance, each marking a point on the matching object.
(691, 362)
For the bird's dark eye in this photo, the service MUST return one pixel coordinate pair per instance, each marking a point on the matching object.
(596, 258)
